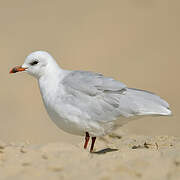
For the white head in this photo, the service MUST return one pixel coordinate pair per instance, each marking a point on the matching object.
(37, 64)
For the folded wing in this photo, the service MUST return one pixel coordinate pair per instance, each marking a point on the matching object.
(105, 99)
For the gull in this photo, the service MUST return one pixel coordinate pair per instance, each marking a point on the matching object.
(86, 103)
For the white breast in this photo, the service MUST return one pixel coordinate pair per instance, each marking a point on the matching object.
(60, 113)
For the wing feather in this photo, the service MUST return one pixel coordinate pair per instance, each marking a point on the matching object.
(104, 99)
(92, 83)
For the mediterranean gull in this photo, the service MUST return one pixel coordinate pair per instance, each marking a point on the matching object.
(87, 103)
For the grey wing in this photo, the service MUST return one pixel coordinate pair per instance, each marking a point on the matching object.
(105, 99)
(148, 103)
(97, 96)
(91, 83)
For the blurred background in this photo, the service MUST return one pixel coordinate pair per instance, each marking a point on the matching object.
(134, 41)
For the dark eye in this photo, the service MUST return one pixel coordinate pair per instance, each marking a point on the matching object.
(34, 63)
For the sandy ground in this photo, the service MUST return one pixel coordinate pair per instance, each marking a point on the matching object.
(128, 157)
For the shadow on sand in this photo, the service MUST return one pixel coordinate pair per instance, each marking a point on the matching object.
(104, 151)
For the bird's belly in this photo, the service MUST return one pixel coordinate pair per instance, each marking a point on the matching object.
(72, 120)
(78, 126)
(66, 124)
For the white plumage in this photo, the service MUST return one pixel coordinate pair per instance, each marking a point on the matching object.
(81, 101)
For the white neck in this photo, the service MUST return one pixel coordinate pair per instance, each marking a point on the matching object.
(49, 82)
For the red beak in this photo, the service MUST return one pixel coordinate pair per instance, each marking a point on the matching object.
(17, 69)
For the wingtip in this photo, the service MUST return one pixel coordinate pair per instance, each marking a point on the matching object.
(168, 112)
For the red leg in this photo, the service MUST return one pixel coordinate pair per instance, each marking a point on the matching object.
(92, 144)
(86, 140)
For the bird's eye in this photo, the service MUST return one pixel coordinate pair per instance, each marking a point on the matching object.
(34, 63)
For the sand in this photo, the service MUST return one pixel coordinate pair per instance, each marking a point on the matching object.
(115, 157)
